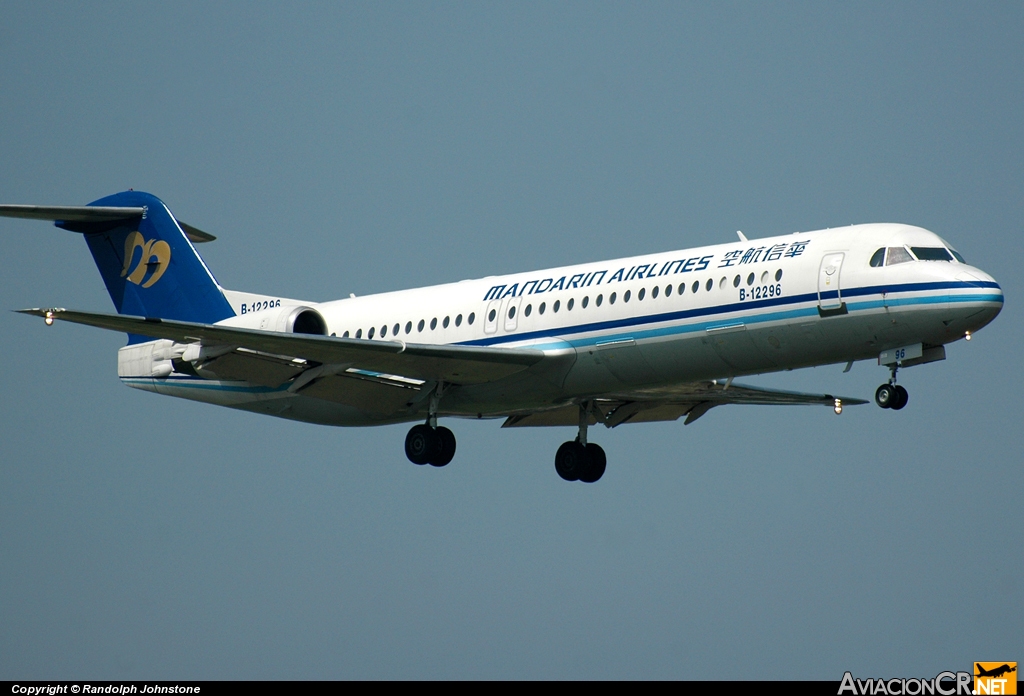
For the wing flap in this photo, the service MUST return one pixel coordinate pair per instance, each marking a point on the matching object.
(452, 364)
(367, 395)
(265, 370)
(692, 400)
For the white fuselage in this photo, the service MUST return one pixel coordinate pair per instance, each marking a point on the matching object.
(641, 323)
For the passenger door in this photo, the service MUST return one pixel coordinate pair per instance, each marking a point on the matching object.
(830, 300)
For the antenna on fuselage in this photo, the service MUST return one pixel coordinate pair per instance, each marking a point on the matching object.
(742, 236)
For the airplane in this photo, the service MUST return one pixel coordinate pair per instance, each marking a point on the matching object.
(995, 672)
(654, 337)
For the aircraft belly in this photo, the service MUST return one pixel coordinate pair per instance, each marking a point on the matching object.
(523, 391)
(685, 357)
(738, 350)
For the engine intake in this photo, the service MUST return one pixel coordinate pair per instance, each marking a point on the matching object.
(294, 319)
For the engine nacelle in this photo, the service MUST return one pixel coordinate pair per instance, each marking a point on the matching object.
(289, 319)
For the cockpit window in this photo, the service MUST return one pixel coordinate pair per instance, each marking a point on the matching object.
(878, 258)
(956, 255)
(931, 253)
(897, 255)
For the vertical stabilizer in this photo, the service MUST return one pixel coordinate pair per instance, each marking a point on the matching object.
(149, 265)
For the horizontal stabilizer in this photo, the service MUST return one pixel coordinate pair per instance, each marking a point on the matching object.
(78, 218)
(452, 364)
(71, 213)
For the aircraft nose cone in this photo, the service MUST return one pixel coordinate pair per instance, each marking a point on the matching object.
(992, 298)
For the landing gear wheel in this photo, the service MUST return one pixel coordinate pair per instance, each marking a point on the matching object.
(596, 466)
(885, 395)
(447, 451)
(900, 399)
(423, 444)
(571, 460)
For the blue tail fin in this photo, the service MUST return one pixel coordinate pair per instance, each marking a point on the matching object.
(149, 266)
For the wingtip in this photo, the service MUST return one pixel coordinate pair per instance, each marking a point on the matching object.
(45, 313)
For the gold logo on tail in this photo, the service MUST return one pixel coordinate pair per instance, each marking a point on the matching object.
(156, 254)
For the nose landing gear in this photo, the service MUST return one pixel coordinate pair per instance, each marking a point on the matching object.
(892, 395)
(578, 460)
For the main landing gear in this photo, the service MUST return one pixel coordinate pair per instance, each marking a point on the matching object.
(578, 460)
(428, 443)
(892, 395)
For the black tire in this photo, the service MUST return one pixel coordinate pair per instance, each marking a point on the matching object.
(447, 452)
(571, 460)
(422, 444)
(901, 398)
(596, 466)
(885, 396)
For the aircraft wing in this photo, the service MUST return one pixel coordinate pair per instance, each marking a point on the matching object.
(692, 400)
(452, 364)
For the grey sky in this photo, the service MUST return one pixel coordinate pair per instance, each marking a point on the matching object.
(339, 148)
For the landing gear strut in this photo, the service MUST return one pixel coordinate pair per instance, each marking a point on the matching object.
(429, 443)
(578, 460)
(892, 395)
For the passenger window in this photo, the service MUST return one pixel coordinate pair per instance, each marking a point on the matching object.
(472, 317)
(682, 288)
(543, 306)
(654, 292)
(359, 333)
(625, 296)
(384, 331)
(897, 255)
(345, 335)
(599, 300)
(778, 275)
(611, 298)
(750, 279)
(371, 332)
(446, 321)
(568, 305)
(529, 309)
(696, 286)
(433, 323)
(490, 317)
(408, 327)
(668, 290)
(586, 301)
(878, 258)
(764, 277)
(511, 312)
(394, 329)
(555, 307)
(710, 284)
(458, 320)
(736, 282)
(419, 327)
(640, 295)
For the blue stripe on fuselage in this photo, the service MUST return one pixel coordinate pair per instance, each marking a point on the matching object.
(638, 321)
